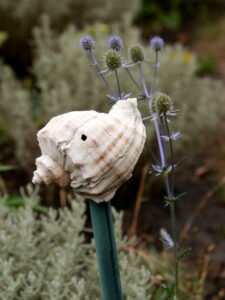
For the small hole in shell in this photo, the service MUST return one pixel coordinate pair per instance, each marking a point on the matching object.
(83, 137)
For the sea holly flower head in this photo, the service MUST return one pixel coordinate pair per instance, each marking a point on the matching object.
(161, 103)
(87, 42)
(157, 43)
(115, 42)
(136, 53)
(113, 60)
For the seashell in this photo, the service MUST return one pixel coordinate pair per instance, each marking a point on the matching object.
(92, 152)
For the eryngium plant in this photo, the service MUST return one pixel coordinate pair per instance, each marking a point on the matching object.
(56, 80)
(161, 110)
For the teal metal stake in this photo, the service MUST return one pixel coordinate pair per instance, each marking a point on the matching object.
(102, 223)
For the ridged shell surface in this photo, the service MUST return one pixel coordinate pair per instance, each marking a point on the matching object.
(92, 152)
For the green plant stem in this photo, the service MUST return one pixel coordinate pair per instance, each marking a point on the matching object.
(175, 248)
(102, 223)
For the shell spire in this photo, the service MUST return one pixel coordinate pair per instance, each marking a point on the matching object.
(92, 152)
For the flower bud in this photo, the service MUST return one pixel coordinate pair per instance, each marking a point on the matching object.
(136, 53)
(113, 60)
(157, 43)
(115, 43)
(87, 42)
(161, 103)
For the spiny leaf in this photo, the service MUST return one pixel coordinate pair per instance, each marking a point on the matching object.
(173, 199)
(141, 97)
(186, 252)
(112, 98)
(180, 196)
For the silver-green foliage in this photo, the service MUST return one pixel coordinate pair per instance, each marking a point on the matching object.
(15, 111)
(47, 257)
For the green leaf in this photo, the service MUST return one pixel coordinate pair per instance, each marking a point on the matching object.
(3, 37)
(4, 168)
(173, 199)
(171, 19)
(161, 294)
(15, 201)
(180, 160)
(169, 200)
(2, 129)
(41, 208)
(180, 196)
(169, 288)
(186, 252)
(141, 97)
(111, 103)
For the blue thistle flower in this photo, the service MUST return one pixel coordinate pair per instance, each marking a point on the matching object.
(87, 42)
(157, 43)
(115, 42)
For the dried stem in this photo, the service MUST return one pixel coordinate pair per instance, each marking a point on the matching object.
(133, 227)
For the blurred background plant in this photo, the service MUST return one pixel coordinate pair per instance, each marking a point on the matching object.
(44, 73)
(19, 18)
(177, 14)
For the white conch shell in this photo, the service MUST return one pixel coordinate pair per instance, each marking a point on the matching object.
(92, 152)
